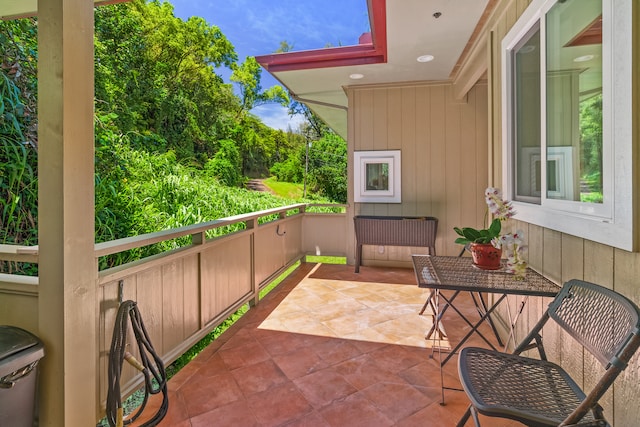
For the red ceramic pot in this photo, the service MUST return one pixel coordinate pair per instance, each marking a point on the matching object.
(486, 256)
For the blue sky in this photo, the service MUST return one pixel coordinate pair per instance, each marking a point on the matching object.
(256, 27)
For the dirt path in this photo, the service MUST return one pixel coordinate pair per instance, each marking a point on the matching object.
(257, 185)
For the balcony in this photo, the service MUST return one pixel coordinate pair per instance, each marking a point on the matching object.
(326, 347)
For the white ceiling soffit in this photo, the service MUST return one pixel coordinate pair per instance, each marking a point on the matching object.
(10, 9)
(412, 31)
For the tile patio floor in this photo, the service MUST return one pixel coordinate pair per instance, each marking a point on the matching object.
(327, 347)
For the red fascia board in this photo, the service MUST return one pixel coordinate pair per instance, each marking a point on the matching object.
(378, 13)
(370, 53)
(321, 58)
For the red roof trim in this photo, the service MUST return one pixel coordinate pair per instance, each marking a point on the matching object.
(369, 53)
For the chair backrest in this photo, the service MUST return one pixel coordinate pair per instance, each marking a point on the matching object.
(602, 320)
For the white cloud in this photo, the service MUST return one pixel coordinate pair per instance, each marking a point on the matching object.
(277, 117)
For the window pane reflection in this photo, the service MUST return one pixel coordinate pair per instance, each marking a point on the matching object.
(574, 101)
(527, 112)
(377, 176)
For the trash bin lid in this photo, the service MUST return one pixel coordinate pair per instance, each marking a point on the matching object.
(14, 340)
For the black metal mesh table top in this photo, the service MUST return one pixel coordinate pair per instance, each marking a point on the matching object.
(460, 274)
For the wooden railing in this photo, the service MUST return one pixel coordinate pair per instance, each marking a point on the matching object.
(185, 293)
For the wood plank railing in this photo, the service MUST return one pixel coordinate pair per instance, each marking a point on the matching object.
(184, 293)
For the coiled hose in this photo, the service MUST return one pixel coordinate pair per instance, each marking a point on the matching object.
(151, 367)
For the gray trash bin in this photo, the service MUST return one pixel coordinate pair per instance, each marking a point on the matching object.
(20, 352)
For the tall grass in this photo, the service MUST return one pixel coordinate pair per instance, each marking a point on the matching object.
(138, 192)
(18, 179)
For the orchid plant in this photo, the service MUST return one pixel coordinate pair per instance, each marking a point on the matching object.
(511, 243)
(513, 246)
(499, 209)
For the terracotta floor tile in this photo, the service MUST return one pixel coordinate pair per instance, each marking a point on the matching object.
(424, 374)
(279, 405)
(396, 401)
(235, 414)
(324, 387)
(368, 346)
(351, 323)
(249, 353)
(331, 311)
(300, 362)
(215, 365)
(336, 351)
(363, 372)
(277, 342)
(355, 411)
(259, 377)
(323, 351)
(182, 376)
(313, 419)
(206, 393)
(395, 358)
(177, 417)
(376, 335)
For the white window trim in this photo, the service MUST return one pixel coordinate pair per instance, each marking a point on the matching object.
(612, 223)
(393, 194)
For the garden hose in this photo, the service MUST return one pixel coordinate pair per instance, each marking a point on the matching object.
(150, 365)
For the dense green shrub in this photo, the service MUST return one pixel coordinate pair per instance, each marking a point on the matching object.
(18, 138)
(226, 165)
(289, 170)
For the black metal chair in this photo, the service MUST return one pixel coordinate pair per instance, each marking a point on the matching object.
(537, 392)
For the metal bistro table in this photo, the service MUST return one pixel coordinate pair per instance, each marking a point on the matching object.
(459, 274)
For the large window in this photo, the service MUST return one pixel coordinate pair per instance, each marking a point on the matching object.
(567, 118)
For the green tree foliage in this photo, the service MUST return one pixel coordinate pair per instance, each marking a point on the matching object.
(226, 164)
(326, 157)
(148, 192)
(158, 74)
(289, 157)
(256, 144)
(314, 127)
(247, 76)
(327, 167)
(18, 136)
(169, 131)
(591, 141)
(290, 170)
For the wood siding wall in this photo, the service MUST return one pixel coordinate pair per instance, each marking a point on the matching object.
(443, 143)
(561, 256)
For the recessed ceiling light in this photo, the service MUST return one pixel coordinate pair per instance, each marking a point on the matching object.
(584, 58)
(425, 58)
(356, 76)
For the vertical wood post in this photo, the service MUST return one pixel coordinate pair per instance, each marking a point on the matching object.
(67, 268)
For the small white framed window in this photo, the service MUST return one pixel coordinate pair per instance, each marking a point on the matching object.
(377, 177)
(567, 118)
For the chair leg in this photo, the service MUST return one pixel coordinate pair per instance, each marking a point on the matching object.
(465, 417)
(474, 415)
